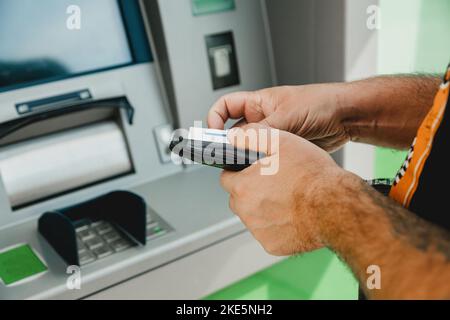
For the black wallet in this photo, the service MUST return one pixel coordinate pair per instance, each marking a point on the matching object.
(220, 155)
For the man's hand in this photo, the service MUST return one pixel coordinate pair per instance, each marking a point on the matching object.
(282, 211)
(311, 112)
(311, 203)
(384, 111)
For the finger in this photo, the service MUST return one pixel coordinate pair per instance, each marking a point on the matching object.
(234, 106)
(228, 180)
(255, 137)
(232, 204)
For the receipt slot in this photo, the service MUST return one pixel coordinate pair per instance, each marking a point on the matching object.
(222, 60)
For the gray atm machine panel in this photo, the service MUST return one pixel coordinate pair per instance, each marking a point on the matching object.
(175, 194)
(187, 55)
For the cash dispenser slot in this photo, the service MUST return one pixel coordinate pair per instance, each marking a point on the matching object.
(97, 228)
(47, 154)
(38, 121)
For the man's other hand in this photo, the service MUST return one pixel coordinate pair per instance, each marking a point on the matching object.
(282, 210)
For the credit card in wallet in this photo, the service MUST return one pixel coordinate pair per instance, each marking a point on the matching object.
(212, 148)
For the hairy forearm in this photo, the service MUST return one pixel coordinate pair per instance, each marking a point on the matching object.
(387, 111)
(367, 229)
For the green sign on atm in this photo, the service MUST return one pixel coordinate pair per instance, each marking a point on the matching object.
(19, 263)
(200, 7)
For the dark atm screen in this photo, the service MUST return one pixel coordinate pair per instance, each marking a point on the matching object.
(51, 39)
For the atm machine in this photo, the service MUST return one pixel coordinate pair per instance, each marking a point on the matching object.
(91, 205)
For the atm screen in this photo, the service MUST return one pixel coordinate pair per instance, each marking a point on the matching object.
(46, 40)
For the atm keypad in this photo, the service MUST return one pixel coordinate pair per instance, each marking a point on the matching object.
(100, 239)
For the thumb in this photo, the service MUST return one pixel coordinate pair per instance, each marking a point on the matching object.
(256, 137)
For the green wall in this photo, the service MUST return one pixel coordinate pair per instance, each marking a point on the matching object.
(414, 37)
(317, 275)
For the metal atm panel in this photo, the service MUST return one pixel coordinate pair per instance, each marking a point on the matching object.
(195, 224)
(184, 50)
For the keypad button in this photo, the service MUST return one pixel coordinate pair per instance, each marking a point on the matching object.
(86, 257)
(97, 223)
(103, 228)
(82, 228)
(85, 234)
(111, 236)
(120, 245)
(155, 231)
(94, 243)
(81, 247)
(102, 252)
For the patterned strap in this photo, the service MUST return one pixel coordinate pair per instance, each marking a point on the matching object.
(407, 179)
(447, 75)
